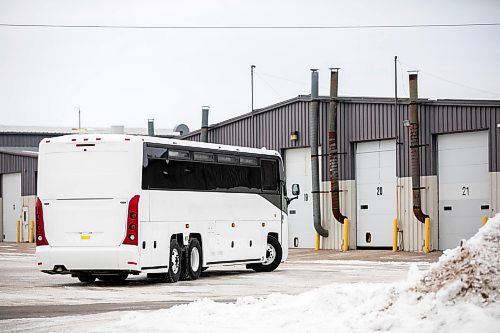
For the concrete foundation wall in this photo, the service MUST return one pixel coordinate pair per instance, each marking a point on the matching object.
(1, 219)
(413, 230)
(30, 202)
(495, 193)
(348, 208)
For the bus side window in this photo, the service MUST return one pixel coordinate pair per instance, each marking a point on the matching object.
(269, 174)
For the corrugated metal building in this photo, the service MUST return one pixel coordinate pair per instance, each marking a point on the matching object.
(460, 143)
(18, 169)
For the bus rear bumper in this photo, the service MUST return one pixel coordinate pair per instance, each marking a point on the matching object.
(67, 260)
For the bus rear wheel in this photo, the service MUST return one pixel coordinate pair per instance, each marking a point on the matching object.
(192, 263)
(274, 254)
(86, 278)
(174, 264)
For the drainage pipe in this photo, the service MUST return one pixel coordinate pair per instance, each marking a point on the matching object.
(204, 124)
(332, 146)
(313, 140)
(415, 150)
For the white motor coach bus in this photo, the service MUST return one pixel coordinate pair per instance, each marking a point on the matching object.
(113, 205)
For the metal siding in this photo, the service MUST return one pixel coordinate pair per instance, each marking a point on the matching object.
(26, 165)
(363, 121)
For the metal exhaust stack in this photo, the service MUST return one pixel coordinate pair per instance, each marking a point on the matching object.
(151, 127)
(414, 150)
(313, 139)
(204, 124)
(332, 146)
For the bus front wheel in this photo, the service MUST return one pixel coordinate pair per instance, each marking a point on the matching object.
(273, 257)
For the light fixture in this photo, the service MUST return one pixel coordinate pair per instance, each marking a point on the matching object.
(294, 136)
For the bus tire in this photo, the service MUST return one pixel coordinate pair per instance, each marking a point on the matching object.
(193, 259)
(86, 278)
(174, 262)
(274, 254)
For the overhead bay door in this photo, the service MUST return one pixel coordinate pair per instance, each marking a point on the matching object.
(376, 192)
(11, 193)
(464, 185)
(301, 233)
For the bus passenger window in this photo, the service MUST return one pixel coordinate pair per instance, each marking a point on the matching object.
(269, 175)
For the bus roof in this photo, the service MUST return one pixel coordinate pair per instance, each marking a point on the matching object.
(93, 138)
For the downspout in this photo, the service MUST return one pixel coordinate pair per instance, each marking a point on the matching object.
(204, 124)
(313, 140)
(332, 146)
(414, 150)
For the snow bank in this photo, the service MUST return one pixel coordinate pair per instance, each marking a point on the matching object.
(460, 293)
(470, 272)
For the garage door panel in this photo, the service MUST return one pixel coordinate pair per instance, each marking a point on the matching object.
(464, 174)
(300, 218)
(456, 157)
(458, 192)
(376, 192)
(463, 140)
(464, 185)
(387, 176)
(367, 161)
(387, 145)
(367, 147)
(368, 176)
(388, 159)
(11, 202)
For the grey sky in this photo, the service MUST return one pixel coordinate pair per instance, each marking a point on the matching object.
(127, 76)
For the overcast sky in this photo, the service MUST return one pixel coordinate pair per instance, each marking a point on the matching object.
(124, 77)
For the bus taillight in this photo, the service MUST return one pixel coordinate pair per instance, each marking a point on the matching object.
(132, 237)
(40, 229)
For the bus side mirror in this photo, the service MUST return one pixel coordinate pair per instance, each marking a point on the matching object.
(295, 189)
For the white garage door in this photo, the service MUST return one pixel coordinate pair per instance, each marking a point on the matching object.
(301, 233)
(464, 185)
(376, 192)
(11, 193)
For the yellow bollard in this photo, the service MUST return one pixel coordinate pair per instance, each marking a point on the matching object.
(18, 236)
(395, 235)
(32, 232)
(345, 244)
(316, 246)
(427, 235)
(485, 219)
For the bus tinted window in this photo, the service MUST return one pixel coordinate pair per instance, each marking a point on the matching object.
(178, 154)
(269, 175)
(188, 175)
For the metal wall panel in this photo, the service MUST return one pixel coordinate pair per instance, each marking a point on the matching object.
(23, 139)
(26, 165)
(363, 119)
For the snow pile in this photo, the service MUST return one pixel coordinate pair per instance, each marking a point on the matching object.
(460, 293)
(470, 272)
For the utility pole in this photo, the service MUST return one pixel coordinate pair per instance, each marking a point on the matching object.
(251, 77)
(254, 138)
(79, 119)
(396, 83)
